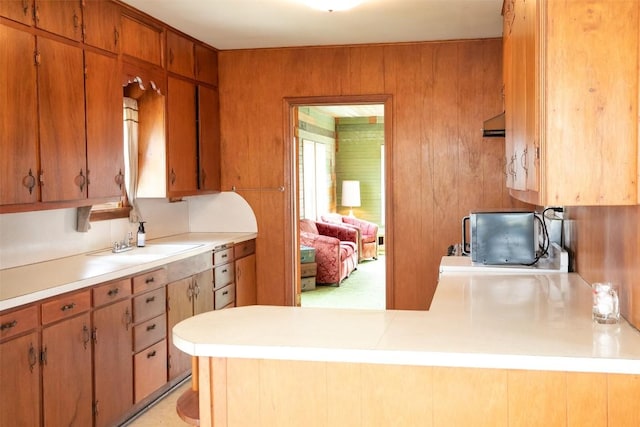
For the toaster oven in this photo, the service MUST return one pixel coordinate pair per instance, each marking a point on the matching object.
(500, 237)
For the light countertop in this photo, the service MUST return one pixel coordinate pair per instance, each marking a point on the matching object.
(33, 282)
(538, 321)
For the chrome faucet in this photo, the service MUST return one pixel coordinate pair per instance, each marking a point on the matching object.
(124, 245)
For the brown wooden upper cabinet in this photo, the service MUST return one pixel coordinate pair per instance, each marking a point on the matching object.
(572, 120)
(18, 10)
(141, 40)
(63, 164)
(208, 139)
(180, 55)
(182, 154)
(105, 158)
(19, 106)
(206, 65)
(102, 28)
(60, 17)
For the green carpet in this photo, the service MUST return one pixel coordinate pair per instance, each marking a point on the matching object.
(364, 288)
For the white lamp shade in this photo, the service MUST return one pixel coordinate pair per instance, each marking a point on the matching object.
(351, 193)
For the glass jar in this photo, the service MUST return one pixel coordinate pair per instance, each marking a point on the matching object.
(606, 308)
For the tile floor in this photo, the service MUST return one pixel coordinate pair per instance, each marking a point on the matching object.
(163, 413)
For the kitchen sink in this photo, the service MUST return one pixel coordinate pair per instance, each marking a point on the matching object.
(149, 252)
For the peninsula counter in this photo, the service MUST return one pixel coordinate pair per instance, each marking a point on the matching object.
(493, 350)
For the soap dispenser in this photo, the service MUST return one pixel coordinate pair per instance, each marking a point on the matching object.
(141, 235)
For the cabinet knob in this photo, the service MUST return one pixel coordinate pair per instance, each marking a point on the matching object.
(29, 181)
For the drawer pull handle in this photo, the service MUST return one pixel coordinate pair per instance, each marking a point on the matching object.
(151, 327)
(67, 307)
(225, 270)
(223, 256)
(150, 299)
(151, 354)
(225, 292)
(8, 325)
(150, 280)
(113, 292)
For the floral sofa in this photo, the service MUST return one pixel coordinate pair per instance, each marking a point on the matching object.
(336, 249)
(367, 233)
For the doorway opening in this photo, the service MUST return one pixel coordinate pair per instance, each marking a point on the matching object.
(337, 144)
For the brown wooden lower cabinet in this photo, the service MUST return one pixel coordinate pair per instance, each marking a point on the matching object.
(20, 381)
(66, 373)
(113, 367)
(281, 392)
(185, 298)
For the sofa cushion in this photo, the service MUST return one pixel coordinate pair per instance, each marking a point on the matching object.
(308, 226)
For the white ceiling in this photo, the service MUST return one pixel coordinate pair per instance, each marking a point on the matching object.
(243, 24)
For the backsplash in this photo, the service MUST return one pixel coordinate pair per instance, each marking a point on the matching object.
(605, 242)
(30, 237)
(37, 236)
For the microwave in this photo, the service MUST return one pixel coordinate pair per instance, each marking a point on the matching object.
(500, 237)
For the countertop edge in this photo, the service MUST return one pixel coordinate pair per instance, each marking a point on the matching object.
(414, 358)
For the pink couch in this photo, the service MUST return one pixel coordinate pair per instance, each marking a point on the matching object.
(336, 249)
(367, 233)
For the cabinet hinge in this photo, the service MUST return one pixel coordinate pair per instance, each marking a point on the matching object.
(36, 58)
(537, 153)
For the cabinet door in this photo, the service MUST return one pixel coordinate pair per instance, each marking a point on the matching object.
(206, 65)
(66, 373)
(181, 141)
(60, 17)
(141, 40)
(180, 55)
(179, 307)
(532, 138)
(102, 24)
(209, 139)
(20, 382)
(62, 121)
(517, 157)
(19, 118)
(113, 372)
(105, 152)
(246, 290)
(18, 10)
(203, 292)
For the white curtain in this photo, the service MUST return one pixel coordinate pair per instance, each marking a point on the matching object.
(131, 156)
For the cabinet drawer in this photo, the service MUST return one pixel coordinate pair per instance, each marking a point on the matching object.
(113, 291)
(245, 248)
(223, 275)
(225, 296)
(149, 305)
(150, 370)
(223, 256)
(149, 281)
(66, 306)
(149, 332)
(18, 321)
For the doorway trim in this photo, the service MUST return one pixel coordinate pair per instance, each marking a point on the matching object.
(290, 104)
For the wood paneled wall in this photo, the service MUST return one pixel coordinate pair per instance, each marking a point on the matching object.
(605, 242)
(441, 166)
